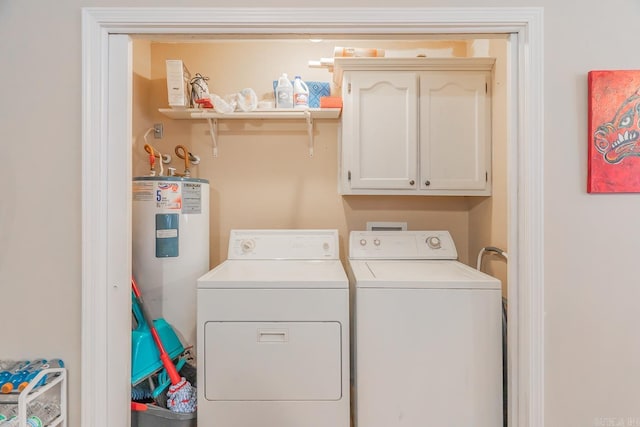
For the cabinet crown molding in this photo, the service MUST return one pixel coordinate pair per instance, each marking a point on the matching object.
(410, 64)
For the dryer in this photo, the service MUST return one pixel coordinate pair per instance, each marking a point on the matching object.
(273, 332)
(428, 343)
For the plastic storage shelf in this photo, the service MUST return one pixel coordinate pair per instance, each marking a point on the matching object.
(31, 393)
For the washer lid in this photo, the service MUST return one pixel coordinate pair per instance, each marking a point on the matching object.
(275, 274)
(422, 274)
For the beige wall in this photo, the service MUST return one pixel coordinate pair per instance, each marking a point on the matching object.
(591, 248)
(142, 111)
(264, 176)
(488, 219)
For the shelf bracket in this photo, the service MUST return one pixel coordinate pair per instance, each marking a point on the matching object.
(309, 131)
(213, 129)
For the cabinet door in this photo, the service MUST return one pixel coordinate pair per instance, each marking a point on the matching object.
(455, 149)
(380, 129)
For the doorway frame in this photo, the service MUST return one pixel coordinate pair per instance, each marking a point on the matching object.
(106, 173)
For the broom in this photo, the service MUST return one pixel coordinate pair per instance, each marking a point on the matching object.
(181, 396)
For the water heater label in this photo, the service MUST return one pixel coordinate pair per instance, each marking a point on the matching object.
(169, 196)
(166, 234)
(143, 191)
(183, 197)
(167, 237)
(191, 198)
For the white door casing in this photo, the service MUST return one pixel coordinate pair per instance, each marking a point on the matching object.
(106, 173)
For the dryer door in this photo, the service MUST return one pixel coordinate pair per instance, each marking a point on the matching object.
(270, 361)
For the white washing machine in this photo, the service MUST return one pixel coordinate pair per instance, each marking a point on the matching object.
(273, 333)
(428, 333)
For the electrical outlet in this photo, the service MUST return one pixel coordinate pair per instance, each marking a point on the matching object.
(158, 131)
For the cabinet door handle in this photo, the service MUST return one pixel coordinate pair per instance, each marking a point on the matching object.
(427, 183)
(412, 182)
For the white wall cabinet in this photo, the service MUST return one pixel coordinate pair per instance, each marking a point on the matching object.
(415, 126)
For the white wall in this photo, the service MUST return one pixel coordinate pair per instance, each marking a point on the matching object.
(591, 286)
(591, 252)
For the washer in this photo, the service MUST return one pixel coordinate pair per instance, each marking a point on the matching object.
(428, 343)
(273, 332)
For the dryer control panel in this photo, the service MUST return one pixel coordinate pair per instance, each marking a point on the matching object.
(402, 245)
(284, 244)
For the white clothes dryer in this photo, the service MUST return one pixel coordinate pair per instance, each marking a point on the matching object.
(273, 332)
(428, 333)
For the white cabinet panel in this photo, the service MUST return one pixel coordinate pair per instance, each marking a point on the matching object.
(454, 130)
(382, 128)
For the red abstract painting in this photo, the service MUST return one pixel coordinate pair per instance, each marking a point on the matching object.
(614, 131)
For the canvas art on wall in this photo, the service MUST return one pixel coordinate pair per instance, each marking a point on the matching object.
(614, 131)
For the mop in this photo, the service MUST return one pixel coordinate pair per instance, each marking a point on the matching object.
(181, 396)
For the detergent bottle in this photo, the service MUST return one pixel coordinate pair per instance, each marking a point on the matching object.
(300, 93)
(284, 92)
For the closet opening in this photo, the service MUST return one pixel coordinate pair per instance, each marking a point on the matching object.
(108, 138)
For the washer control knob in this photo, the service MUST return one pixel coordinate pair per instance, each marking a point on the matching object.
(376, 242)
(247, 246)
(434, 242)
(326, 246)
(363, 242)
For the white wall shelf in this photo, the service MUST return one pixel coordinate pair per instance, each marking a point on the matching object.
(308, 114)
(267, 113)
